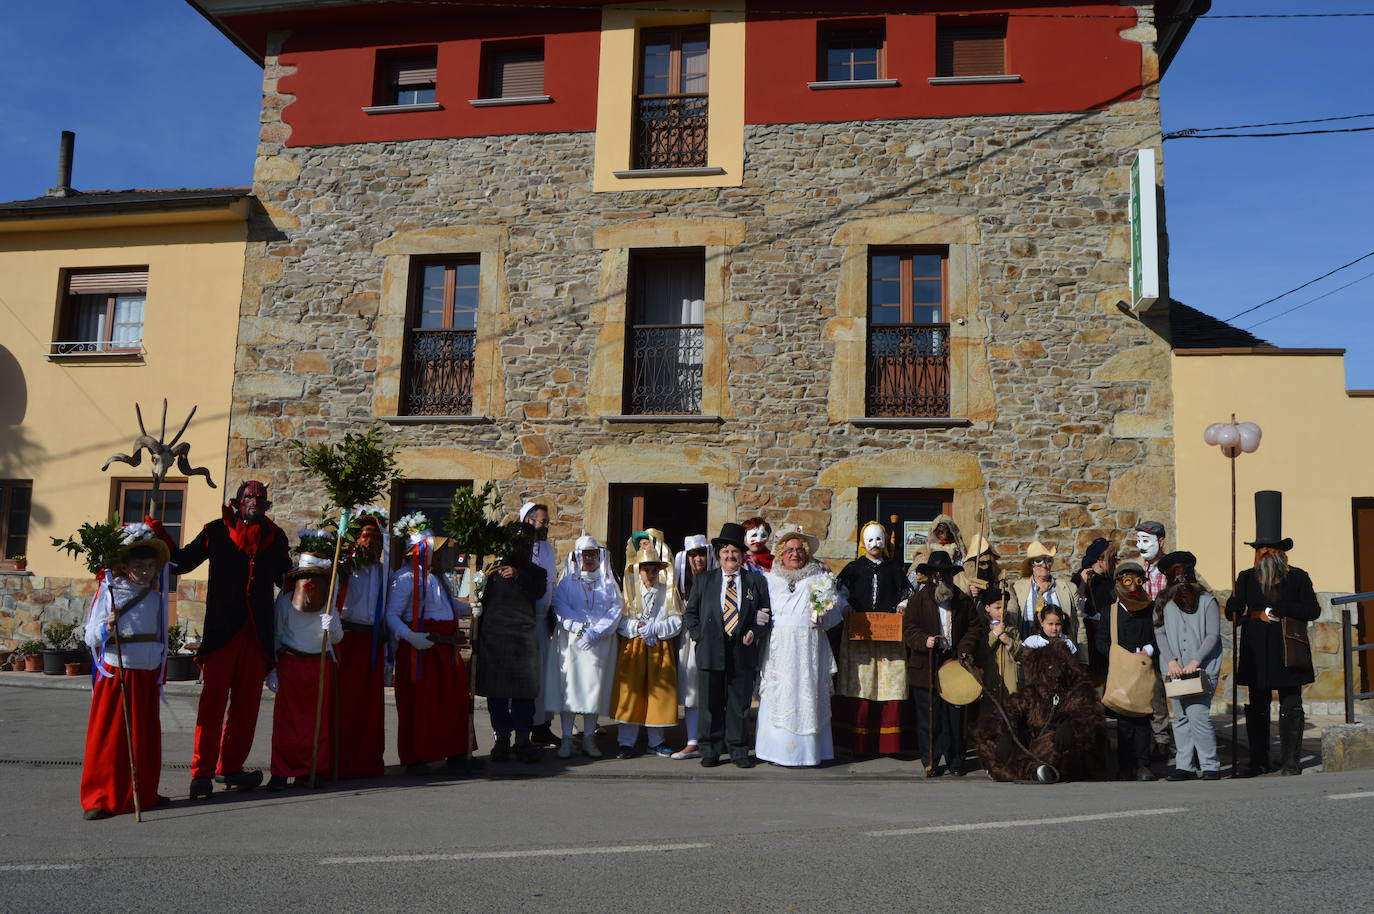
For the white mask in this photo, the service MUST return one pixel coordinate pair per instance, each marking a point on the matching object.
(874, 537)
(1147, 544)
(756, 537)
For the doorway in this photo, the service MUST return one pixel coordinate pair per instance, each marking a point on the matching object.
(1362, 514)
(678, 510)
(908, 515)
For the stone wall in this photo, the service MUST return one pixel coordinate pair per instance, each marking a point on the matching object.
(28, 602)
(1072, 437)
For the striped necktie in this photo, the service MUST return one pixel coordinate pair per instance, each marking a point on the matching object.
(731, 607)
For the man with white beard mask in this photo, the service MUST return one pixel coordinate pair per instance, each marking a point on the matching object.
(537, 516)
(1149, 542)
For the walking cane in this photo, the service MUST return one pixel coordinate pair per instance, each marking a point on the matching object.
(324, 647)
(127, 713)
(930, 711)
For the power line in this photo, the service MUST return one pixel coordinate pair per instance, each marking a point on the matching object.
(1296, 288)
(1244, 136)
(1310, 301)
(1316, 120)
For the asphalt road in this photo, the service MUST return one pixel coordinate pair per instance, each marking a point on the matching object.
(657, 835)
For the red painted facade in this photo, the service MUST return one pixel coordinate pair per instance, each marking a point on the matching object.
(1065, 64)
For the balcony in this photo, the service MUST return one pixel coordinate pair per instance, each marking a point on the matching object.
(908, 370)
(77, 350)
(438, 376)
(665, 362)
(670, 132)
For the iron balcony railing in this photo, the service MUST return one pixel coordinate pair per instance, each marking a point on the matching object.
(80, 347)
(439, 372)
(670, 132)
(665, 373)
(908, 370)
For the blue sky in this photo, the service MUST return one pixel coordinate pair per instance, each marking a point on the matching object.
(159, 98)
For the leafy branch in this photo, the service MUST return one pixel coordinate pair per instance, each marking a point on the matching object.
(99, 544)
(475, 526)
(353, 472)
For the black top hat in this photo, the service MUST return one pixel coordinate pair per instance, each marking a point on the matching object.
(730, 535)
(939, 561)
(1269, 521)
(1176, 558)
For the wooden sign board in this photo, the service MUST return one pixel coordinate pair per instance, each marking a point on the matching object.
(875, 627)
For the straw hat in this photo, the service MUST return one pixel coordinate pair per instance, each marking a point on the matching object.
(1036, 550)
(979, 545)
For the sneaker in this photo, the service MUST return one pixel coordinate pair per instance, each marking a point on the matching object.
(1178, 775)
(625, 752)
(662, 751)
(1211, 775)
(688, 751)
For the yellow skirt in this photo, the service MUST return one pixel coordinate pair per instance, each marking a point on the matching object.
(645, 690)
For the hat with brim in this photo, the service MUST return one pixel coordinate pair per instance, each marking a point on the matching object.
(646, 557)
(958, 685)
(939, 561)
(1036, 550)
(1176, 558)
(812, 542)
(1269, 522)
(309, 565)
(730, 535)
(695, 542)
(980, 546)
(151, 541)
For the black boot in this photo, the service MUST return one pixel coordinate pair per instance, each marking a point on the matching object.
(543, 737)
(243, 780)
(1291, 725)
(525, 750)
(202, 788)
(1257, 733)
(500, 750)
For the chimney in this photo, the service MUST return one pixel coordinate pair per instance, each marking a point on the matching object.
(64, 166)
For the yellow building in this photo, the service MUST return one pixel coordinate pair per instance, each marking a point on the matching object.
(110, 298)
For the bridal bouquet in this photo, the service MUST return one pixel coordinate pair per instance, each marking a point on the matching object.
(822, 595)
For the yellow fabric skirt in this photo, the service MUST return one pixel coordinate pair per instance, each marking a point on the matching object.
(645, 690)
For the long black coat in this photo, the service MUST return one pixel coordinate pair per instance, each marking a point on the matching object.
(968, 629)
(1261, 643)
(238, 584)
(1131, 630)
(705, 621)
(507, 643)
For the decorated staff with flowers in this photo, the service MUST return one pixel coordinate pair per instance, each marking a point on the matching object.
(127, 635)
(434, 720)
(303, 619)
(794, 698)
(363, 654)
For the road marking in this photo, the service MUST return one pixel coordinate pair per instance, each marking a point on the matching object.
(1022, 823)
(30, 867)
(1351, 796)
(504, 855)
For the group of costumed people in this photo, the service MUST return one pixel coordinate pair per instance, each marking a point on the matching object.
(693, 635)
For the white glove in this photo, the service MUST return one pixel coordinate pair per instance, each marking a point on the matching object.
(584, 642)
(1269, 614)
(569, 625)
(1148, 650)
(418, 641)
(629, 628)
(647, 635)
(476, 606)
(272, 684)
(761, 618)
(326, 621)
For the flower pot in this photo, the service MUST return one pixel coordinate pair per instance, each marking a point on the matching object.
(14, 564)
(55, 662)
(182, 668)
(73, 669)
(33, 663)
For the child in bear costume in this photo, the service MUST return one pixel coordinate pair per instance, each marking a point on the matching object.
(1067, 734)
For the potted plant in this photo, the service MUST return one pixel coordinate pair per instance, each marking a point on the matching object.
(33, 656)
(181, 664)
(15, 563)
(63, 647)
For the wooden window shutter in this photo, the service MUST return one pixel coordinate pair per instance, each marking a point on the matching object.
(113, 283)
(416, 72)
(977, 50)
(518, 73)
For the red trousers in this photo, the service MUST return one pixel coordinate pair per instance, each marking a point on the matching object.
(433, 718)
(293, 716)
(232, 677)
(362, 730)
(873, 727)
(106, 782)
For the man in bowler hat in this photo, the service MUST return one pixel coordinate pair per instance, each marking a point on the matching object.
(727, 615)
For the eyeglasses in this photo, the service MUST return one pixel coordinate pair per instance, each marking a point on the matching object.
(1042, 561)
(794, 550)
(1131, 579)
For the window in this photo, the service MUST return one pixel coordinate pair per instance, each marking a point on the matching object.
(908, 334)
(667, 338)
(411, 80)
(970, 49)
(671, 104)
(678, 510)
(102, 311)
(851, 51)
(515, 72)
(15, 497)
(441, 338)
(134, 500)
(432, 498)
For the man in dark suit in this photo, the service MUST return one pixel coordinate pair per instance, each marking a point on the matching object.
(727, 616)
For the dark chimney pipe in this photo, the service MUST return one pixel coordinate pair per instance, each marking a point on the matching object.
(64, 166)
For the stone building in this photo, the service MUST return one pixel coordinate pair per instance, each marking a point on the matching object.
(681, 268)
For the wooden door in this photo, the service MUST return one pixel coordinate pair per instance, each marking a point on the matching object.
(1362, 511)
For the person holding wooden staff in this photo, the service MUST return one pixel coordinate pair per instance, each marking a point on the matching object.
(872, 710)
(248, 555)
(127, 635)
(362, 654)
(301, 615)
(433, 722)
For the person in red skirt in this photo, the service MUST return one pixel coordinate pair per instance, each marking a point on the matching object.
(362, 654)
(303, 630)
(433, 718)
(248, 555)
(124, 698)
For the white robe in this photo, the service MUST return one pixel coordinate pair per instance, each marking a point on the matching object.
(794, 696)
(577, 681)
(543, 556)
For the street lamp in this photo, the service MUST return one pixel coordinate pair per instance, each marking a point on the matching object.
(1234, 438)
